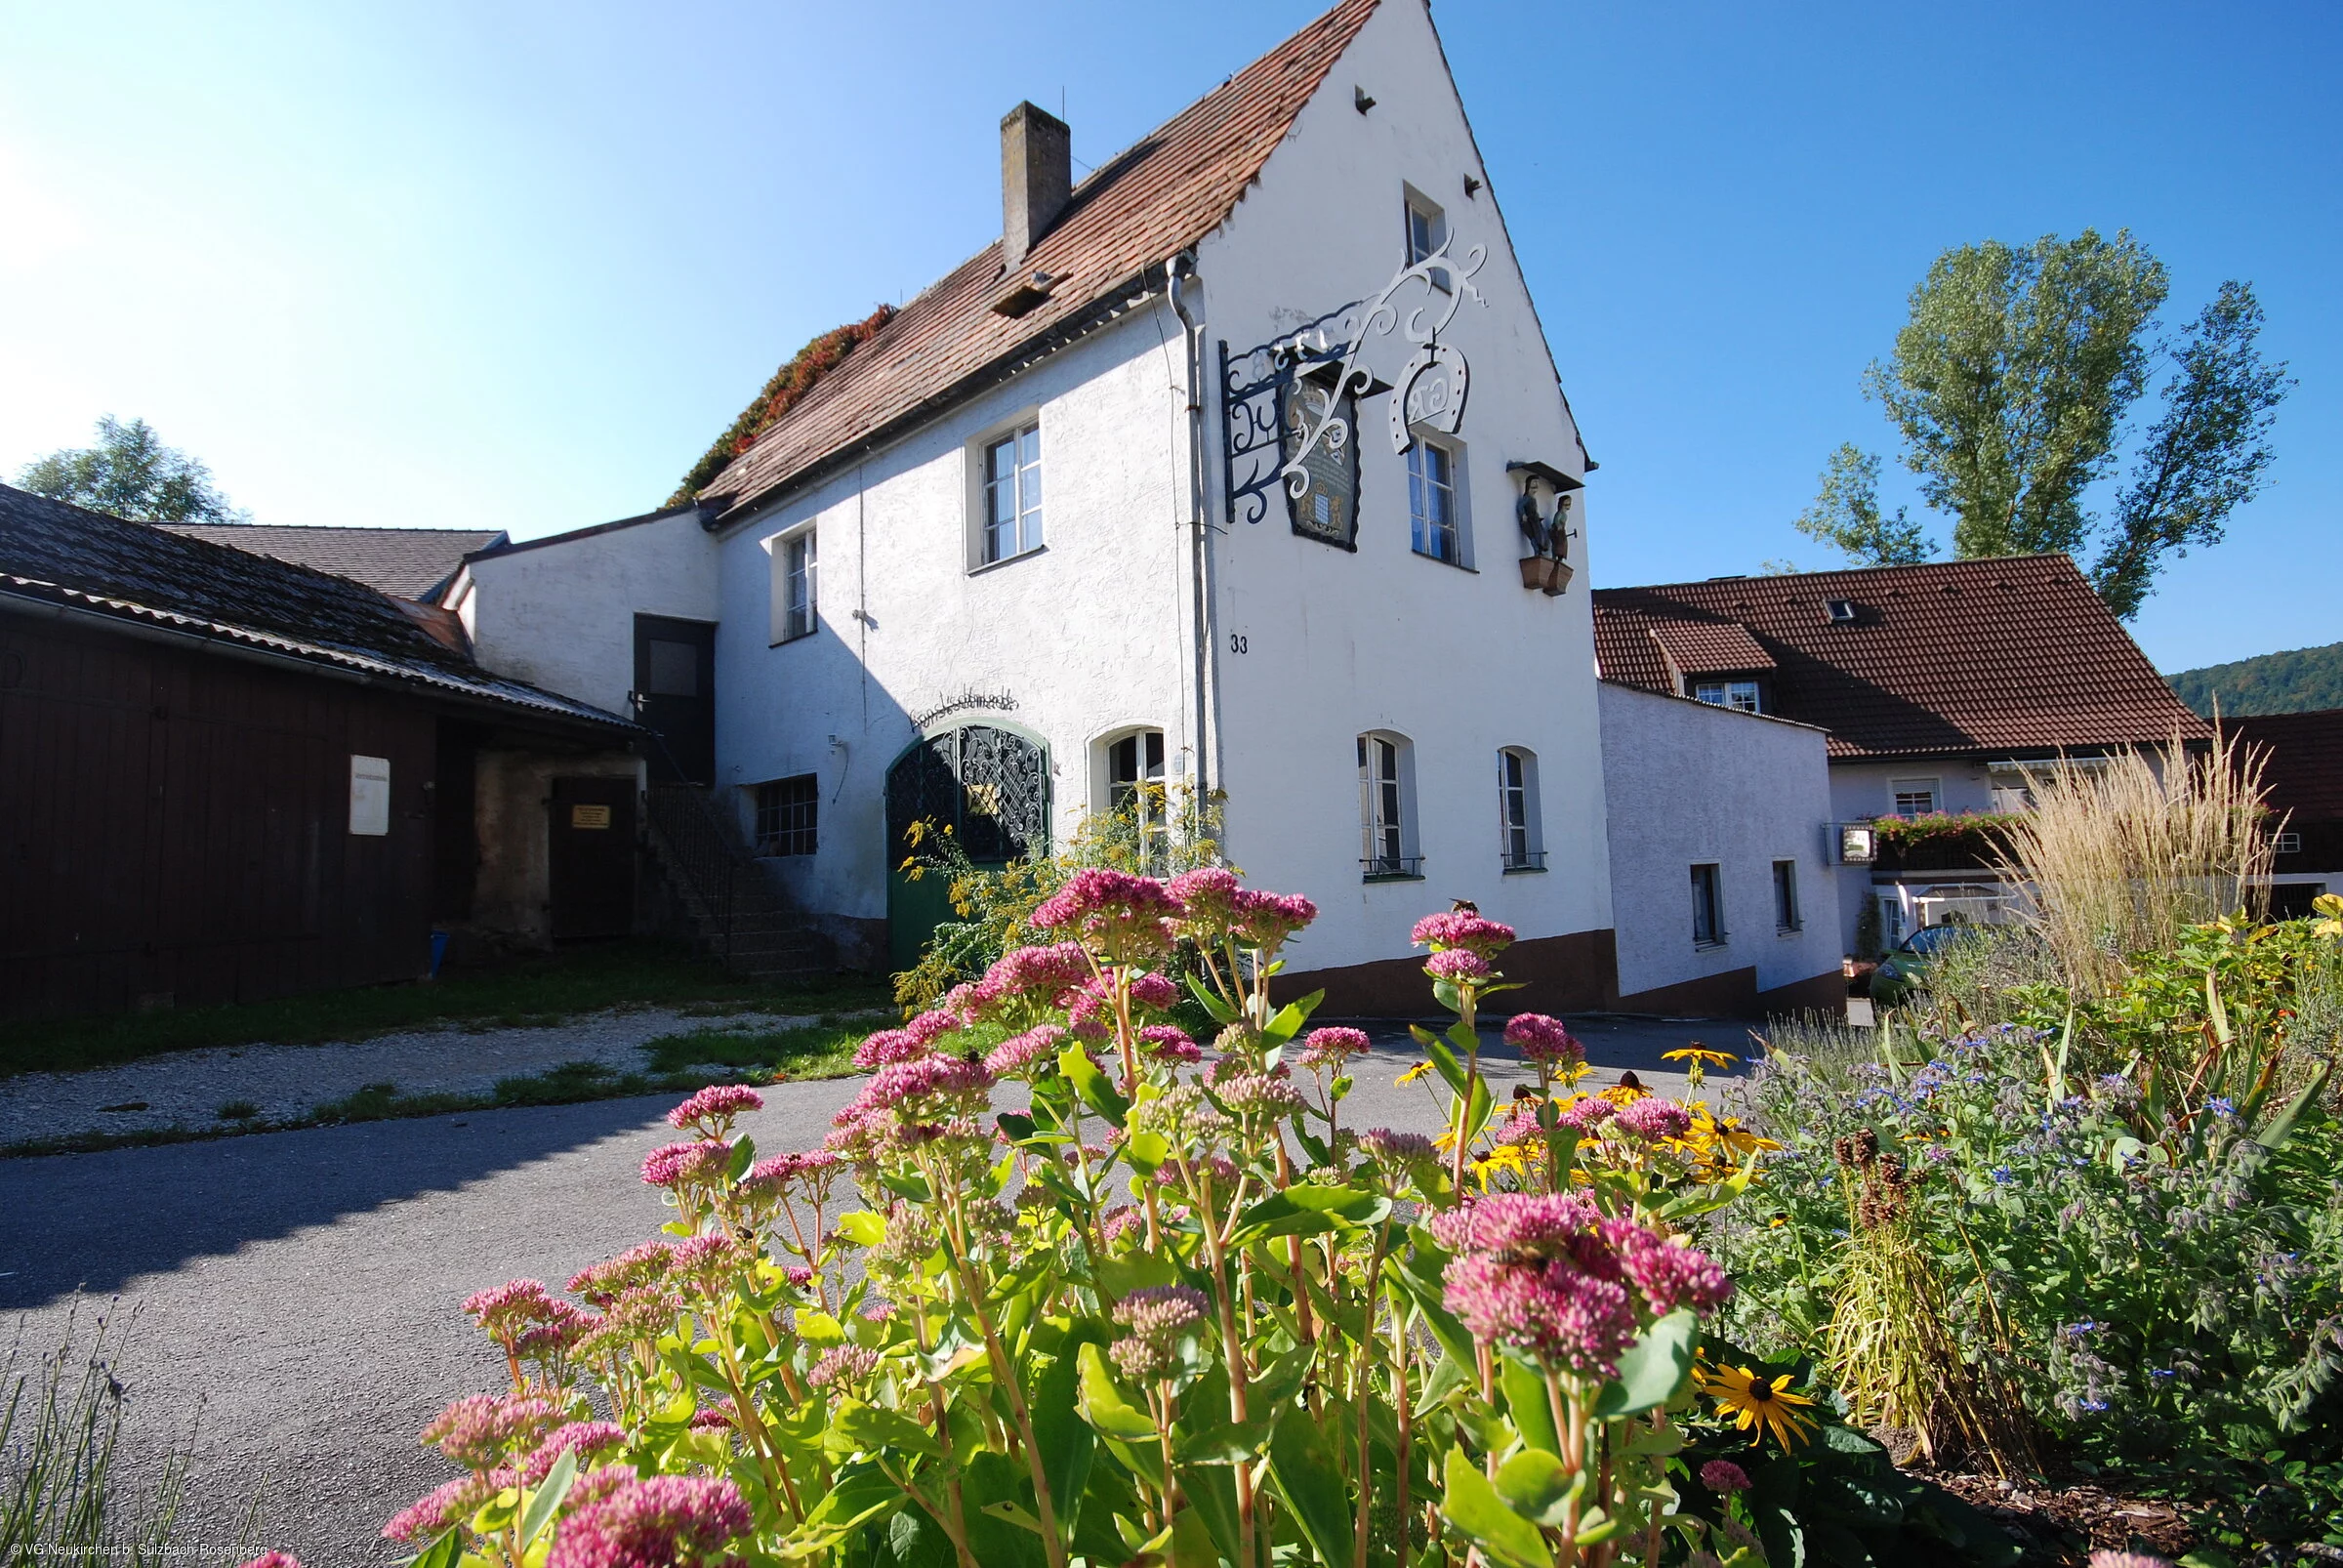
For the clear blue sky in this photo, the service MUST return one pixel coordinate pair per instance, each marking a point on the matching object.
(514, 266)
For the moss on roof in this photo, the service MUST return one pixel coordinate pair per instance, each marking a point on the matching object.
(791, 381)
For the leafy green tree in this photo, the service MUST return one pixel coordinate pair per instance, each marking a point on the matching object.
(1846, 514)
(131, 474)
(2010, 384)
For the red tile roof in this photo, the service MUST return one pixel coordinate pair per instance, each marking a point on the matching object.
(2302, 772)
(1138, 211)
(1700, 647)
(2011, 656)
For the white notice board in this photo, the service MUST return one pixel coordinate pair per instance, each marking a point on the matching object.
(370, 794)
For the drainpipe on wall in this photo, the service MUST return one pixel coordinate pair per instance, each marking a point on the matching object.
(1178, 272)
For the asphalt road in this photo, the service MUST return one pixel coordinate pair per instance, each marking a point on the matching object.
(299, 1293)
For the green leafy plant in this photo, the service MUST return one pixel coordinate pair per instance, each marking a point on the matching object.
(62, 1499)
(1158, 1311)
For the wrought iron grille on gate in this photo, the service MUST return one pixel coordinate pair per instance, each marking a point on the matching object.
(991, 787)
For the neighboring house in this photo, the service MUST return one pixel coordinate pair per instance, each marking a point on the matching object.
(1206, 473)
(417, 563)
(225, 777)
(2302, 781)
(1938, 685)
(1724, 900)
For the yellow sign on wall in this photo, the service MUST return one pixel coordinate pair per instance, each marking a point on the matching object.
(589, 816)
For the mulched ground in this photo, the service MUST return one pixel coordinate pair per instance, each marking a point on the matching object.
(2061, 1524)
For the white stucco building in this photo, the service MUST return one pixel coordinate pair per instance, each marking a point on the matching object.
(1241, 466)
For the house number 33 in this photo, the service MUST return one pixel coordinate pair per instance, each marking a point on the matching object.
(1236, 642)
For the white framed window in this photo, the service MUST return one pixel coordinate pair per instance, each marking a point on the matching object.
(1010, 523)
(1739, 695)
(1914, 796)
(1133, 776)
(799, 606)
(2012, 789)
(2287, 843)
(1707, 906)
(1387, 807)
(1427, 231)
(1786, 918)
(1435, 515)
(1521, 845)
(1891, 919)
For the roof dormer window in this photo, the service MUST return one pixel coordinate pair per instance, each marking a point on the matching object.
(1841, 610)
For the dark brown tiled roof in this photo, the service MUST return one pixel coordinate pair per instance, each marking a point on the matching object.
(411, 562)
(2302, 772)
(2014, 656)
(1701, 648)
(58, 554)
(1138, 211)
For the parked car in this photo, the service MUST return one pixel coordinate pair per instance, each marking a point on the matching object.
(1905, 970)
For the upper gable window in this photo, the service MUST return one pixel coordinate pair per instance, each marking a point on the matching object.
(1427, 231)
(1013, 495)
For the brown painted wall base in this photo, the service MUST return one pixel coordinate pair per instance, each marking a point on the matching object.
(1573, 973)
(1730, 995)
(1823, 993)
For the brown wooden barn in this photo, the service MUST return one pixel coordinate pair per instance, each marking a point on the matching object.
(226, 777)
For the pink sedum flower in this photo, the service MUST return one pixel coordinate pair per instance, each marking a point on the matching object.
(664, 1521)
(1586, 1114)
(888, 1046)
(1330, 1048)
(1208, 900)
(1116, 914)
(1463, 929)
(420, 1520)
(1540, 1039)
(274, 1559)
(714, 1109)
(1019, 1055)
(680, 1165)
(1653, 1119)
(1264, 921)
(583, 1438)
(1168, 1042)
(1558, 1314)
(1723, 1475)
(1457, 965)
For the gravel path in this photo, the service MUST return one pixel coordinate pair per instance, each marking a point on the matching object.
(300, 1289)
(187, 1089)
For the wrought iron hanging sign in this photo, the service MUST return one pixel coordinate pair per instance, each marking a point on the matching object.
(1291, 404)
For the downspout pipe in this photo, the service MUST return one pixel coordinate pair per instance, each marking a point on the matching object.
(1178, 275)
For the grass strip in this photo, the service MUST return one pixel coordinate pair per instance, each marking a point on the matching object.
(535, 990)
(677, 1063)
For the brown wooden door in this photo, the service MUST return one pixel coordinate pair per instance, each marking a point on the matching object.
(591, 857)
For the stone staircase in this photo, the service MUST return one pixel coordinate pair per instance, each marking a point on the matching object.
(738, 914)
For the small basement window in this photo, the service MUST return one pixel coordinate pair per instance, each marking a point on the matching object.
(786, 814)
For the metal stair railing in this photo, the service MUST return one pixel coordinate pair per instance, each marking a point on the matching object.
(703, 850)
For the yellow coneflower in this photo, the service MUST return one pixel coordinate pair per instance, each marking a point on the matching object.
(1758, 1405)
(1414, 1073)
(1702, 1055)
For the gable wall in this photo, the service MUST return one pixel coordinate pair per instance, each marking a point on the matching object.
(1337, 643)
(561, 615)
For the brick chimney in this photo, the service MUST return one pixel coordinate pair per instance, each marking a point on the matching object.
(1036, 179)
